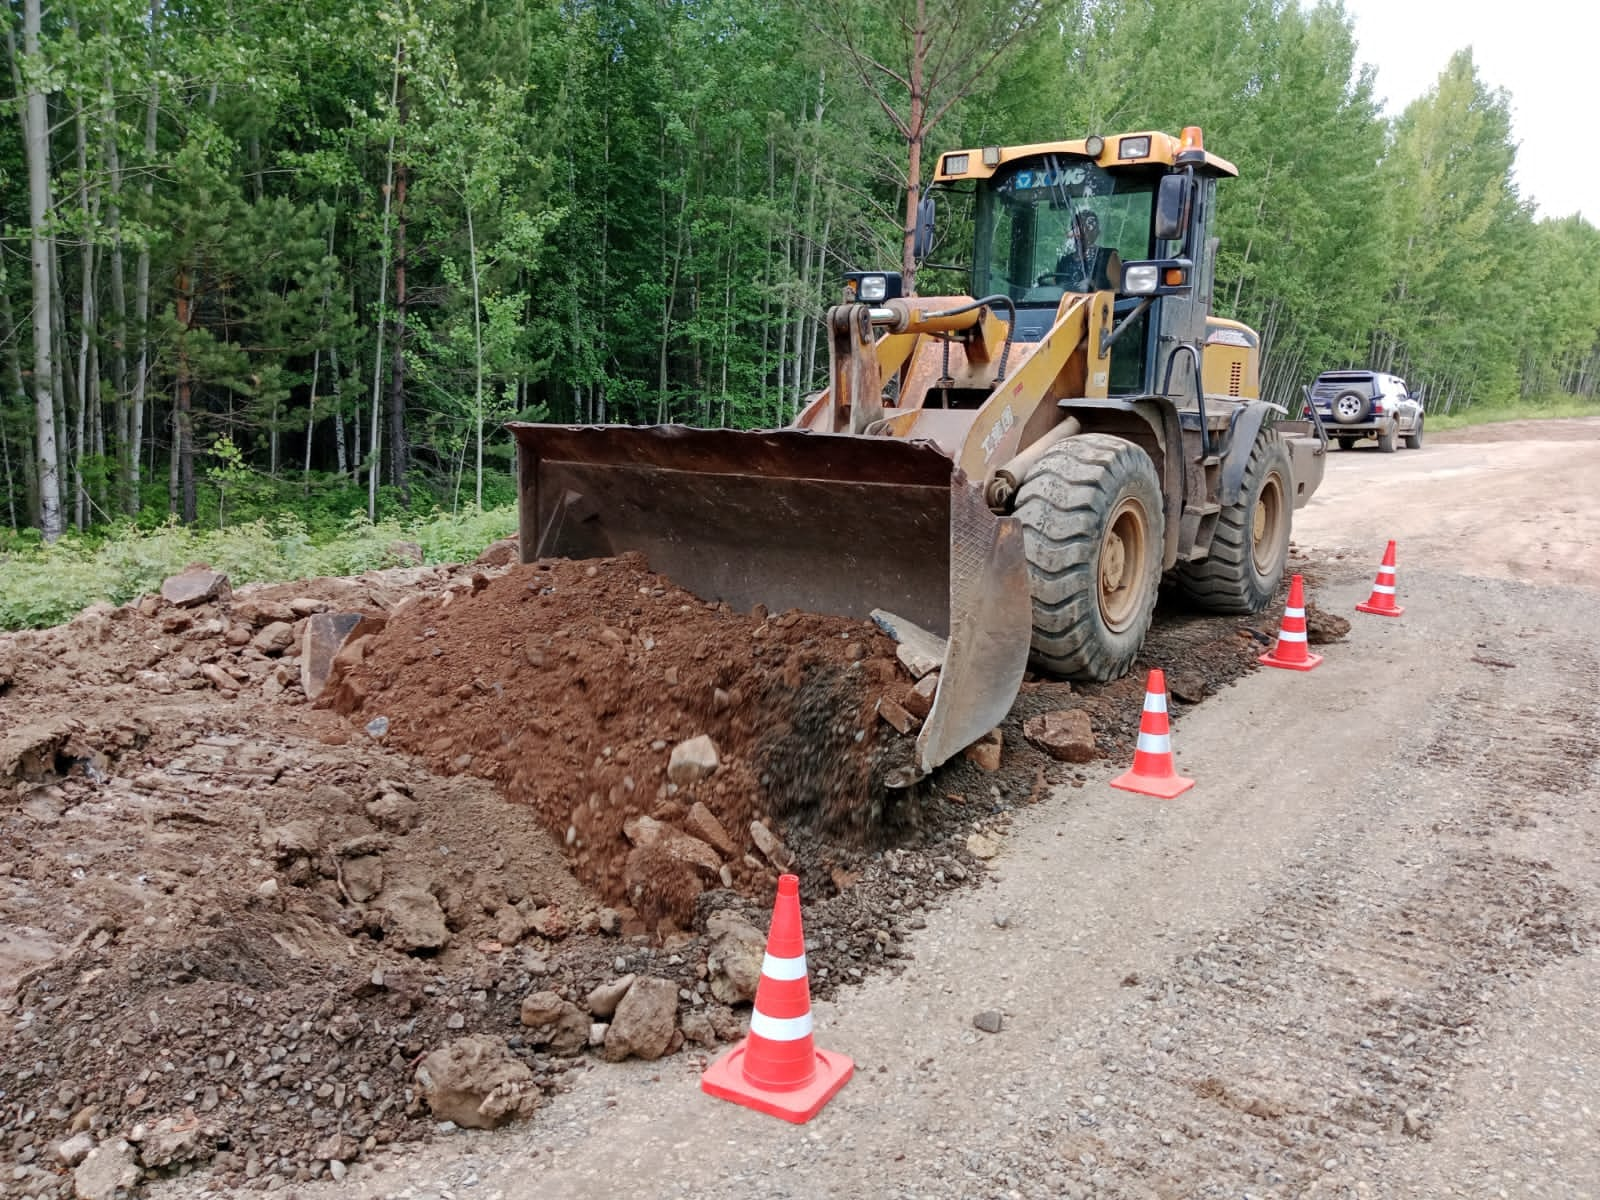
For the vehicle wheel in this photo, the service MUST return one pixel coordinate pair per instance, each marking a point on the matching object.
(1347, 443)
(1092, 530)
(1414, 438)
(1387, 437)
(1250, 548)
(1350, 406)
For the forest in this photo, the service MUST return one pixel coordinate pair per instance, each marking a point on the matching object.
(312, 254)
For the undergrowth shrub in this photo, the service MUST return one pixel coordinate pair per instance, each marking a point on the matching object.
(45, 585)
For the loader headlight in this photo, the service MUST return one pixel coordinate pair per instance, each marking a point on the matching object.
(1133, 147)
(871, 287)
(1141, 279)
(955, 164)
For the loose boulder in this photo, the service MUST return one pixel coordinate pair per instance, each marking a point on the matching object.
(108, 1170)
(1065, 735)
(477, 1083)
(197, 585)
(555, 1023)
(645, 1021)
(412, 920)
(733, 957)
(692, 760)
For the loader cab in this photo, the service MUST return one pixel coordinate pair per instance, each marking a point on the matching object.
(1027, 214)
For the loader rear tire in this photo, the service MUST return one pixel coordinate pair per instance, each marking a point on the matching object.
(1092, 528)
(1250, 546)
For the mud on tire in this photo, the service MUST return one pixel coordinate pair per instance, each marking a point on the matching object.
(1092, 528)
(1251, 544)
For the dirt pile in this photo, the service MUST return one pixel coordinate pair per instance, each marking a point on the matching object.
(232, 924)
(572, 687)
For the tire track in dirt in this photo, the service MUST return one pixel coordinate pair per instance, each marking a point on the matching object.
(1303, 1046)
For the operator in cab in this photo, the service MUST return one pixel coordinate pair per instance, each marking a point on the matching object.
(1085, 265)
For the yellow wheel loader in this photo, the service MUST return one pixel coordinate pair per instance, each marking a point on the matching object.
(1014, 471)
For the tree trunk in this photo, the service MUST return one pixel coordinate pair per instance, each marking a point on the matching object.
(477, 351)
(373, 464)
(338, 412)
(36, 121)
(183, 428)
(141, 284)
(397, 368)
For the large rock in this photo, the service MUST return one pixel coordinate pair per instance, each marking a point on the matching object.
(771, 845)
(676, 845)
(197, 585)
(733, 957)
(702, 823)
(478, 1083)
(1066, 735)
(412, 920)
(603, 1000)
(256, 612)
(692, 760)
(985, 752)
(325, 635)
(645, 1020)
(393, 810)
(274, 638)
(296, 839)
(362, 876)
(109, 1170)
(173, 1140)
(1324, 627)
(551, 1021)
(919, 651)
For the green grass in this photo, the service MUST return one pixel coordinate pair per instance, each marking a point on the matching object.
(1538, 410)
(45, 585)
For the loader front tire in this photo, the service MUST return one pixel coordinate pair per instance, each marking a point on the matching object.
(1250, 546)
(1092, 530)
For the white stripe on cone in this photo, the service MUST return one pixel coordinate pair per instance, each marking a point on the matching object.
(1155, 702)
(785, 970)
(1291, 635)
(1383, 589)
(1155, 743)
(780, 1029)
(1293, 612)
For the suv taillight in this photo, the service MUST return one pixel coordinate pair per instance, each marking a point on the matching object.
(1377, 406)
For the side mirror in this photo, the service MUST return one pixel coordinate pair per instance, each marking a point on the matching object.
(922, 236)
(1172, 206)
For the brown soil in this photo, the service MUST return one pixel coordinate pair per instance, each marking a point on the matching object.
(195, 863)
(569, 684)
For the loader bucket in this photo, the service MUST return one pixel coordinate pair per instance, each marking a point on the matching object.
(826, 523)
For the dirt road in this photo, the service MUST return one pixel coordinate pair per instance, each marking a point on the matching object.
(1356, 960)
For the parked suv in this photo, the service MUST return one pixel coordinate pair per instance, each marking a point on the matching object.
(1362, 404)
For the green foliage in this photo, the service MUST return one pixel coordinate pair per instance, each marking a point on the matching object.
(45, 585)
(629, 211)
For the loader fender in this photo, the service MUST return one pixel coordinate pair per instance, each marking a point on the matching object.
(1246, 424)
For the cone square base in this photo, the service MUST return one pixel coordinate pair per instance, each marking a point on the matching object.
(1271, 659)
(1162, 787)
(725, 1080)
(1367, 606)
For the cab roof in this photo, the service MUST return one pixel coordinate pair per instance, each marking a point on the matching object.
(1119, 150)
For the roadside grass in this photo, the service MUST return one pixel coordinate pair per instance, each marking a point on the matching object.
(46, 585)
(1536, 410)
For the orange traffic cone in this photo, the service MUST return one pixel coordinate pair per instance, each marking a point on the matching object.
(1382, 599)
(777, 1069)
(1153, 772)
(1290, 653)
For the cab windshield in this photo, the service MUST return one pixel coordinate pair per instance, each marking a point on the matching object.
(1056, 224)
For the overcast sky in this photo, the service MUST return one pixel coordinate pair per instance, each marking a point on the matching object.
(1546, 53)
